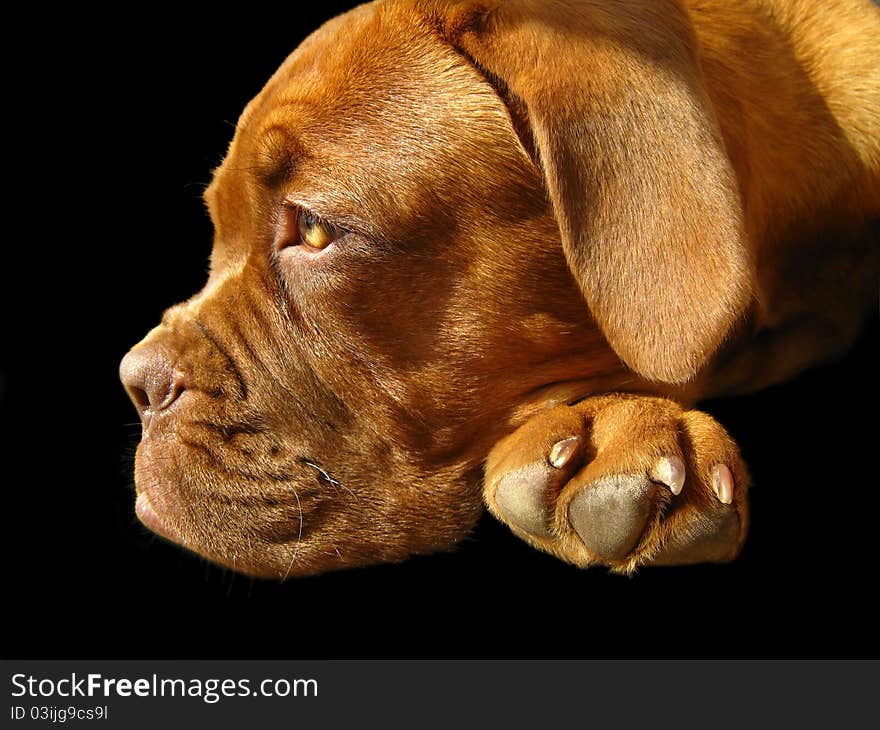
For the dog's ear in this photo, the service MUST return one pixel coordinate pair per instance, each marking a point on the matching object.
(608, 98)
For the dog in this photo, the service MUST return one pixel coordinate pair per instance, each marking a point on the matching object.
(490, 254)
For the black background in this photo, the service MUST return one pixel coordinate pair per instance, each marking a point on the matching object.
(122, 127)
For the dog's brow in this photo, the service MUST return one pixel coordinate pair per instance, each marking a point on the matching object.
(210, 198)
(276, 153)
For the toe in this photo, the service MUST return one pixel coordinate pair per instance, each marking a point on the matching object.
(709, 538)
(522, 496)
(524, 493)
(610, 514)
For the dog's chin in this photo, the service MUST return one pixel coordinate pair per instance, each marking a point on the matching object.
(152, 505)
(260, 560)
(306, 532)
(150, 518)
(228, 536)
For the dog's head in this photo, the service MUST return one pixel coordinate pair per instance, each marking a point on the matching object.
(419, 223)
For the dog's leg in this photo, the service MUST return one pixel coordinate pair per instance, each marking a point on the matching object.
(813, 303)
(622, 481)
(772, 356)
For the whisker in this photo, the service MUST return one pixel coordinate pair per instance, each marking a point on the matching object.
(298, 537)
(326, 476)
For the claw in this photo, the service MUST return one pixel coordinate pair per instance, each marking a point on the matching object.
(669, 470)
(722, 483)
(563, 451)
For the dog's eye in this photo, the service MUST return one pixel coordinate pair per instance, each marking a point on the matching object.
(300, 228)
(314, 232)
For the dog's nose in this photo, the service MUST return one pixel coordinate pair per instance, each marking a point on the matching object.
(150, 379)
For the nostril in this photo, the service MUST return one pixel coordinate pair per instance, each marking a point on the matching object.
(171, 392)
(150, 380)
(139, 397)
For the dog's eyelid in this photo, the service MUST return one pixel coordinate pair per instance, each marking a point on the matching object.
(345, 221)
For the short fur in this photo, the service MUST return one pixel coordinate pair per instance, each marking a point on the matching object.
(542, 202)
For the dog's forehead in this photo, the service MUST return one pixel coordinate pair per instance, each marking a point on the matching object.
(368, 117)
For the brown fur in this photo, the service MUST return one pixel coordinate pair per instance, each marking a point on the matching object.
(542, 200)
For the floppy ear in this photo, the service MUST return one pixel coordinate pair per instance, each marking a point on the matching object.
(608, 98)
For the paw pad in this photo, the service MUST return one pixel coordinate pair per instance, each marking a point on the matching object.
(611, 514)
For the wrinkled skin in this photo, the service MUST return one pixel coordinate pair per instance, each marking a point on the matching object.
(318, 408)
(275, 460)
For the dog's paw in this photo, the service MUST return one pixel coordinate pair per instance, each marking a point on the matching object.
(621, 481)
